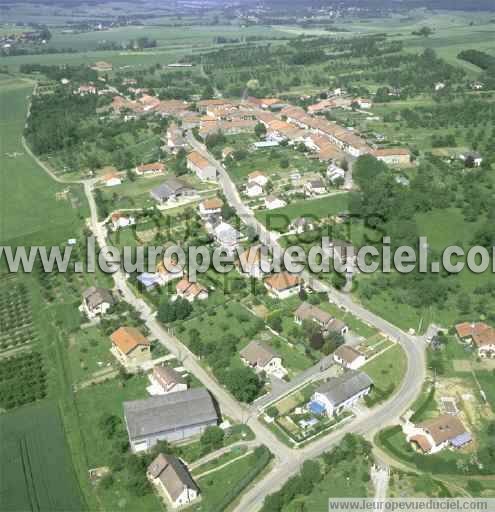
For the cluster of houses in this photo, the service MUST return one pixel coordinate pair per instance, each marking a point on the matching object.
(172, 413)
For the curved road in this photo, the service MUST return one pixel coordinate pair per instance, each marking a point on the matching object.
(366, 425)
(288, 461)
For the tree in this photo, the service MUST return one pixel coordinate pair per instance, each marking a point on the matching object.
(212, 439)
(272, 411)
(109, 424)
(475, 487)
(260, 130)
(243, 383)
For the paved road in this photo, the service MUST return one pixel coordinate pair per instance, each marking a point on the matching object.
(289, 461)
(229, 406)
(375, 419)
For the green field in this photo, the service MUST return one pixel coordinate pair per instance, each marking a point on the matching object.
(29, 211)
(279, 218)
(36, 464)
(387, 371)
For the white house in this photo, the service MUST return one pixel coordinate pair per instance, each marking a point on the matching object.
(96, 302)
(120, 220)
(258, 177)
(334, 172)
(175, 138)
(226, 237)
(472, 158)
(152, 169)
(434, 435)
(261, 357)
(254, 190)
(172, 479)
(204, 170)
(112, 179)
(348, 357)
(363, 103)
(165, 380)
(272, 202)
(301, 224)
(282, 285)
(314, 188)
(212, 206)
(340, 393)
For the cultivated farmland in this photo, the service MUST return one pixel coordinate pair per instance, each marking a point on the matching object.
(36, 465)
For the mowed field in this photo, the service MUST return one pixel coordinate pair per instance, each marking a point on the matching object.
(29, 210)
(35, 462)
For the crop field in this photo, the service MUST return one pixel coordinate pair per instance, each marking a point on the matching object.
(22, 379)
(36, 464)
(29, 210)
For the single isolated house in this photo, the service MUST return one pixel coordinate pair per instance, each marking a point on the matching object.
(262, 358)
(173, 480)
(340, 393)
(130, 347)
(96, 302)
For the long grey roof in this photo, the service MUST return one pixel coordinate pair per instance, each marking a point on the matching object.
(170, 188)
(169, 412)
(339, 389)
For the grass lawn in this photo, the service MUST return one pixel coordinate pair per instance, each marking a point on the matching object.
(89, 352)
(218, 487)
(487, 383)
(336, 484)
(105, 398)
(268, 161)
(387, 371)
(280, 218)
(235, 452)
(29, 211)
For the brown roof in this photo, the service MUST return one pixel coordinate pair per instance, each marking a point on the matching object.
(443, 428)
(347, 353)
(128, 338)
(166, 375)
(151, 167)
(256, 174)
(172, 474)
(198, 160)
(467, 329)
(485, 338)
(185, 287)
(422, 442)
(282, 281)
(212, 203)
(307, 311)
(257, 353)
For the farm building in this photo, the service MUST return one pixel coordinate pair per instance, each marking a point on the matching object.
(172, 417)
